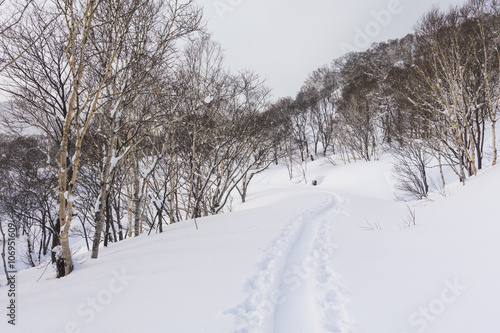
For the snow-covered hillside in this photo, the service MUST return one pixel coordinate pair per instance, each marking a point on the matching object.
(338, 257)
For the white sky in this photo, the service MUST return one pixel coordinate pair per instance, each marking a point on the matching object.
(285, 40)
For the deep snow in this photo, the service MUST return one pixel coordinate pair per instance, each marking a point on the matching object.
(337, 257)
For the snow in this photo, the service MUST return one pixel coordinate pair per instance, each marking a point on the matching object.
(116, 159)
(208, 99)
(294, 258)
(58, 251)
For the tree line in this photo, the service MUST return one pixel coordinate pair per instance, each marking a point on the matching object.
(431, 98)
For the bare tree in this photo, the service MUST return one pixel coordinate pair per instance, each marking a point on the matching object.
(485, 41)
(455, 94)
(410, 168)
(4, 242)
(99, 53)
(144, 53)
(27, 197)
(12, 13)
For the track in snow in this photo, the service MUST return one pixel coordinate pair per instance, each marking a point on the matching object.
(295, 290)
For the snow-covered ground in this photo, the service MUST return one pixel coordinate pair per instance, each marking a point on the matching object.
(337, 257)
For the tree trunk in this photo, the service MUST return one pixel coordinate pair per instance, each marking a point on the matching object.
(65, 259)
(109, 221)
(4, 241)
(100, 216)
(494, 143)
(136, 199)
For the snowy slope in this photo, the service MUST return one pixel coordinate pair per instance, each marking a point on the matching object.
(438, 276)
(295, 258)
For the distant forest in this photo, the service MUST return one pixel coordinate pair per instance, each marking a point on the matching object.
(123, 118)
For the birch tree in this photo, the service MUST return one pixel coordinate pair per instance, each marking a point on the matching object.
(447, 72)
(145, 51)
(487, 54)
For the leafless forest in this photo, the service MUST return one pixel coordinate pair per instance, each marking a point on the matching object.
(123, 117)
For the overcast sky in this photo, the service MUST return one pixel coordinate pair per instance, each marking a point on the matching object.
(285, 40)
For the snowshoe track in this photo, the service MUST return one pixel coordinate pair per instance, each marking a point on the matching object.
(295, 289)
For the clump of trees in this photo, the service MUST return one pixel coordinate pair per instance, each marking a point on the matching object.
(27, 194)
(430, 98)
(136, 123)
